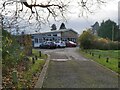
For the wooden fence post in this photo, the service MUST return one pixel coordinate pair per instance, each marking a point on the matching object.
(107, 59)
(40, 53)
(14, 77)
(33, 60)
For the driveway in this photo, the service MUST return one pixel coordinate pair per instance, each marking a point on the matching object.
(68, 69)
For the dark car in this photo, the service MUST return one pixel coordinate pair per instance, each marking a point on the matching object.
(43, 45)
(48, 45)
(71, 44)
(51, 44)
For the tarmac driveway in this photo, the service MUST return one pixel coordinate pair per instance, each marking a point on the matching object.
(76, 72)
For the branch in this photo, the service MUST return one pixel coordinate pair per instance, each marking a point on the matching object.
(44, 6)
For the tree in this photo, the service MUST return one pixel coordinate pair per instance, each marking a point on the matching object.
(108, 29)
(41, 11)
(53, 27)
(86, 39)
(62, 26)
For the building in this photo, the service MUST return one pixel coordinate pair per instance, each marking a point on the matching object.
(119, 14)
(95, 28)
(56, 35)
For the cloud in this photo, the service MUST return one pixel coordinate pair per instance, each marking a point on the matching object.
(108, 11)
(79, 24)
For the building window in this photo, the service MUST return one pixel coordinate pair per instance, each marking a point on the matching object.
(36, 40)
(68, 39)
(53, 38)
(43, 38)
(40, 40)
(46, 39)
(49, 34)
(54, 34)
(50, 39)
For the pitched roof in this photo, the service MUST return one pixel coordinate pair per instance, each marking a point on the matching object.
(58, 31)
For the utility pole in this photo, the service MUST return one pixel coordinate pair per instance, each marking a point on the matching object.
(112, 33)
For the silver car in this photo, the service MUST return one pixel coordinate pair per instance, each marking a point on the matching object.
(60, 44)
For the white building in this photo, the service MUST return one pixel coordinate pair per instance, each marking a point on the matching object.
(56, 35)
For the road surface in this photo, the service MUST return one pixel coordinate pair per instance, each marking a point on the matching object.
(69, 69)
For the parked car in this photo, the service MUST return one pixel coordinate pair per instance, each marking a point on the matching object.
(43, 45)
(60, 44)
(36, 45)
(71, 44)
(48, 45)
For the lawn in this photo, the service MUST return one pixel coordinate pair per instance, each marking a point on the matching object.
(107, 53)
(113, 56)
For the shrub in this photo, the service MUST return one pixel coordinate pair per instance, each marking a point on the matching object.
(11, 52)
(89, 41)
(86, 40)
(102, 44)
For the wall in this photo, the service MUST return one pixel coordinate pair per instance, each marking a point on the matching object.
(70, 35)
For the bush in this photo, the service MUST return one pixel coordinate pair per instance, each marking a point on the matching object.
(100, 44)
(106, 45)
(86, 40)
(89, 41)
(11, 52)
(115, 45)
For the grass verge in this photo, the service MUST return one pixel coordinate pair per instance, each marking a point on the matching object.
(36, 52)
(102, 59)
(29, 77)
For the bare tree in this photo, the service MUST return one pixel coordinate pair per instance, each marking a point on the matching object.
(43, 10)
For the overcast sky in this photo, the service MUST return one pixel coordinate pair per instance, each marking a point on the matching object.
(107, 11)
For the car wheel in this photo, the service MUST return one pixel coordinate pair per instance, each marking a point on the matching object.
(58, 46)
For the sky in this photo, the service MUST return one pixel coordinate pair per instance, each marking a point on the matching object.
(108, 11)
(105, 12)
